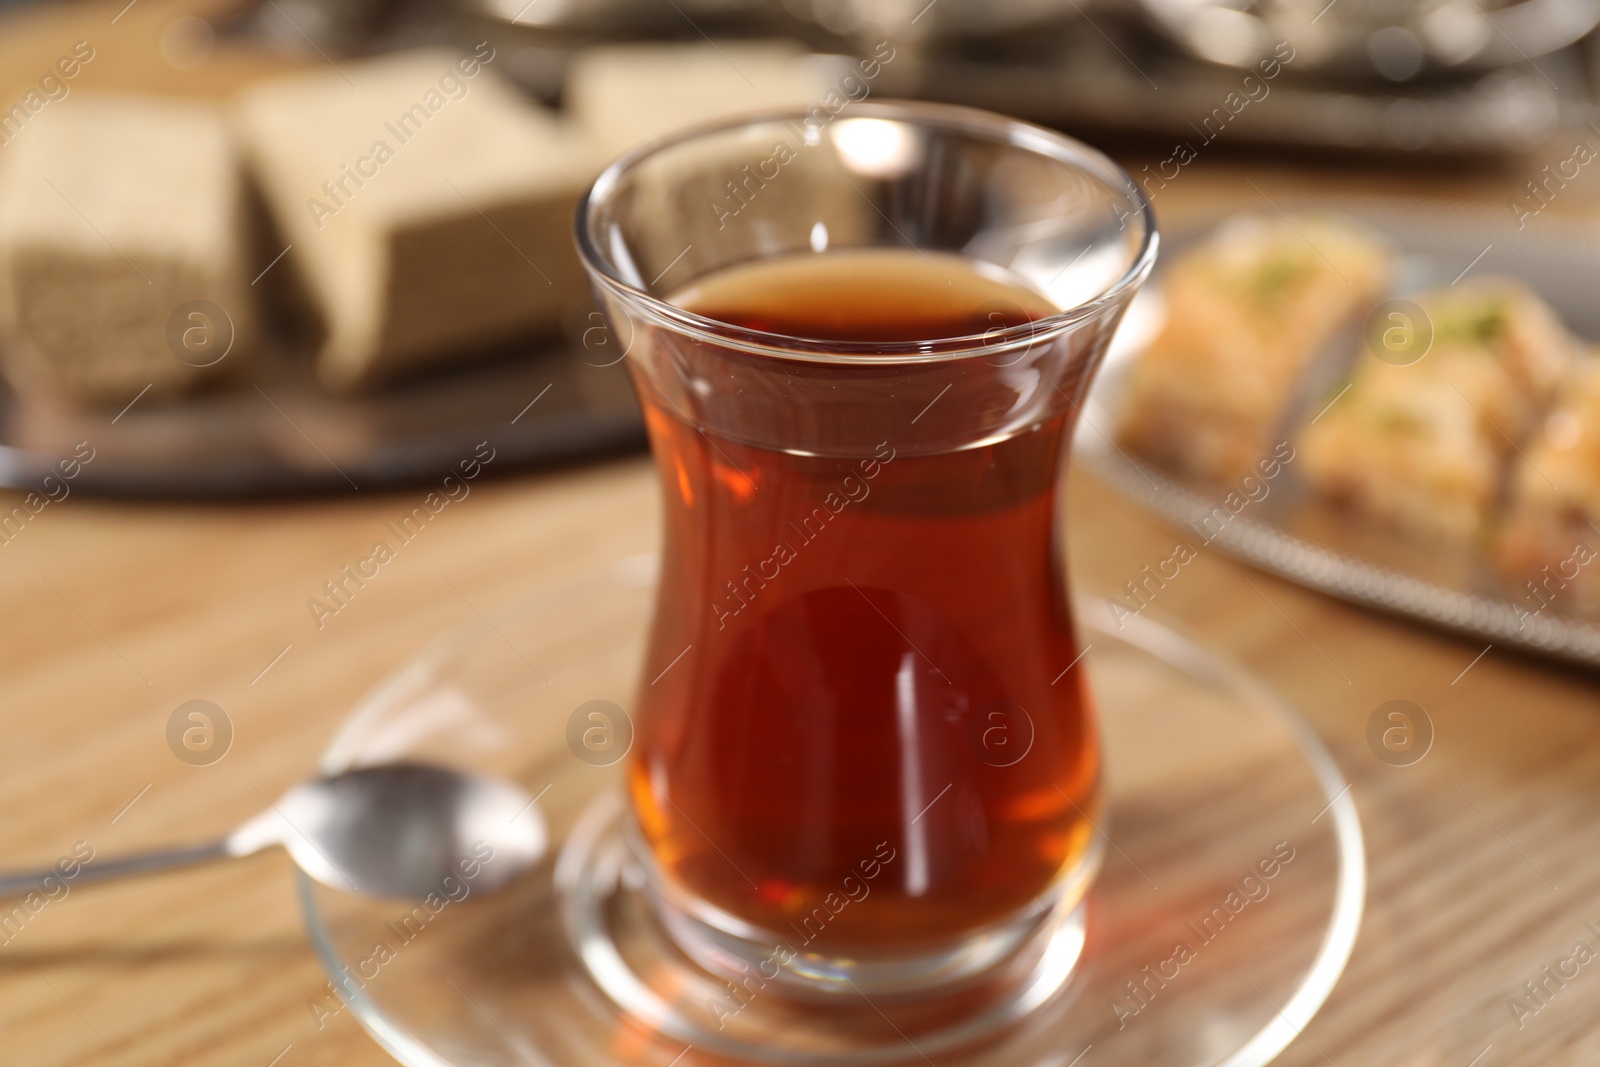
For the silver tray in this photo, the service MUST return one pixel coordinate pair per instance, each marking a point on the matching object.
(1296, 536)
(271, 428)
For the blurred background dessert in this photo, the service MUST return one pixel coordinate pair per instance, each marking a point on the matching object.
(1246, 314)
(432, 206)
(1428, 445)
(113, 211)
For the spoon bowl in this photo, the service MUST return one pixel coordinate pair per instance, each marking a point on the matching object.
(405, 830)
(402, 830)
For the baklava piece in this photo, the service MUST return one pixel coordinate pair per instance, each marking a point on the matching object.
(1247, 312)
(1552, 535)
(1424, 446)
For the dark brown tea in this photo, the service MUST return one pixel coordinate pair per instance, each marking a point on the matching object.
(864, 732)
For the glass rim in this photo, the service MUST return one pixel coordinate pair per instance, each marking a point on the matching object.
(973, 121)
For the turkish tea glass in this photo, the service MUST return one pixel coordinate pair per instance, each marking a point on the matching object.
(863, 759)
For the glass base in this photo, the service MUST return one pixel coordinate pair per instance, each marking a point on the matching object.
(701, 986)
(744, 955)
(1226, 908)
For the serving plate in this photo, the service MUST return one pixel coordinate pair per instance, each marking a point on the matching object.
(1291, 533)
(269, 427)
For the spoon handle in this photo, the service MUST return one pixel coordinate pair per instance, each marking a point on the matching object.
(19, 883)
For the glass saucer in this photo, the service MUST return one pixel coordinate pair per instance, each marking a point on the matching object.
(1224, 912)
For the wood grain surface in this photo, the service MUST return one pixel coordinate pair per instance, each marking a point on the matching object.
(1485, 855)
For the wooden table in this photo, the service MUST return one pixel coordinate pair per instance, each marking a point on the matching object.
(1485, 856)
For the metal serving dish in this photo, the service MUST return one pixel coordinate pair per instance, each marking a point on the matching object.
(1395, 40)
(1295, 535)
